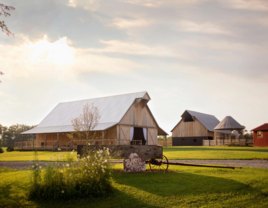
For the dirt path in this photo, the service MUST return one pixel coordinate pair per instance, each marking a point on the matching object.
(20, 165)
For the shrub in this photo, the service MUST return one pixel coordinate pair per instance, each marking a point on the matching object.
(10, 148)
(84, 178)
(232, 144)
(1, 150)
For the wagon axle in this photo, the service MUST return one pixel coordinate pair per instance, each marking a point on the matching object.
(156, 164)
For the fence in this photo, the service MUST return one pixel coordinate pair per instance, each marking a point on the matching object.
(208, 142)
(163, 142)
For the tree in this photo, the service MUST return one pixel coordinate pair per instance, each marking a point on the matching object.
(86, 122)
(12, 134)
(4, 10)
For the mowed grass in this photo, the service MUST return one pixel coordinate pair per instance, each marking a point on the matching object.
(188, 187)
(172, 153)
(28, 155)
(215, 153)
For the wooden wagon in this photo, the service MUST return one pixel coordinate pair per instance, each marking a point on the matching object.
(151, 154)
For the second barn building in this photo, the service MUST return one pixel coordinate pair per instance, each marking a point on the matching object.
(194, 128)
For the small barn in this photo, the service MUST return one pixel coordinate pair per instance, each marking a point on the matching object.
(228, 123)
(260, 136)
(193, 128)
(125, 119)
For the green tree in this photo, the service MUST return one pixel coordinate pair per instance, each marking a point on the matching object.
(4, 10)
(12, 134)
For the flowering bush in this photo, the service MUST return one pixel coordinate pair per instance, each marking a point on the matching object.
(89, 176)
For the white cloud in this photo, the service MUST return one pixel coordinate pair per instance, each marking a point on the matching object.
(207, 27)
(58, 58)
(134, 48)
(255, 5)
(91, 5)
(128, 23)
(159, 3)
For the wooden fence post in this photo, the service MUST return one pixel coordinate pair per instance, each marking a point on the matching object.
(45, 141)
(22, 142)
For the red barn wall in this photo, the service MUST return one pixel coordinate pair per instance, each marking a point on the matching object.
(260, 142)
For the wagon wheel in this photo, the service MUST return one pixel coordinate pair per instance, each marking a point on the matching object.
(156, 165)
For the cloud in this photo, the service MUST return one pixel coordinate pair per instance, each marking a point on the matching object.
(128, 23)
(208, 27)
(254, 5)
(161, 3)
(135, 48)
(43, 59)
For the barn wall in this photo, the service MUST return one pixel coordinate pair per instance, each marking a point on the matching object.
(211, 134)
(152, 136)
(124, 135)
(260, 142)
(187, 141)
(189, 129)
(138, 115)
(64, 139)
(51, 139)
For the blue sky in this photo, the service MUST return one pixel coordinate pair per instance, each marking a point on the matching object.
(202, 55)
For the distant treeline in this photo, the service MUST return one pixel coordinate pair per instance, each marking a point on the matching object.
(11, 134)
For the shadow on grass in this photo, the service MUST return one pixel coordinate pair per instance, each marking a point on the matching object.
(116, 199)
(168, 184)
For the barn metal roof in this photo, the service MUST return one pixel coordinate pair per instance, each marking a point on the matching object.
(229, 123)
(262, 127)
(208, 121)
(112, 109)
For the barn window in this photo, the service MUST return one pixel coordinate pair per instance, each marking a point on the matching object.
(195, 140)
(259, 133)
(183, 140)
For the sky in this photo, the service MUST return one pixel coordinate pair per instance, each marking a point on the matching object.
(209, 56)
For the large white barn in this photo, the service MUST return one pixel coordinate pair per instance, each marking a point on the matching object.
(125, 119)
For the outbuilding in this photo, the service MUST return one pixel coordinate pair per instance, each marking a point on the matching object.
(260, 136)
(194, 128)
(125, 119)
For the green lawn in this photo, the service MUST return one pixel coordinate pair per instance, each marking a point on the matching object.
(215, 153)
(189, 187)
(178, 153)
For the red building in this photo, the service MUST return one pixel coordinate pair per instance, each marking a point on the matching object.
(260, 136)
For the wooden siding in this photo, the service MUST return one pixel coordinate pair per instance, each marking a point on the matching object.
(260, 141)
(64, 139)
(211, 134)
(51, 139)
(124, 135)
(152, 136)
(189, 129)
(146, 96)
(138, 115)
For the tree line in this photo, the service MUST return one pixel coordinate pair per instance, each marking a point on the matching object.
(11, 134)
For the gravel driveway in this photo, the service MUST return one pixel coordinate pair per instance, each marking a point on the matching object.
(20, 165)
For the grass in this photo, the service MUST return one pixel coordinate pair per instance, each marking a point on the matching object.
(215, 153)
(189, 187)
(178, 153)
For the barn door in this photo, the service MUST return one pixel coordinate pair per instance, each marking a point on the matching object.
(124, 135)
(152, 136)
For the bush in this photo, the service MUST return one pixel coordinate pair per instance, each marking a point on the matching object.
(10, 148)
(232, 144)
(1, 150)
(84, 178)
